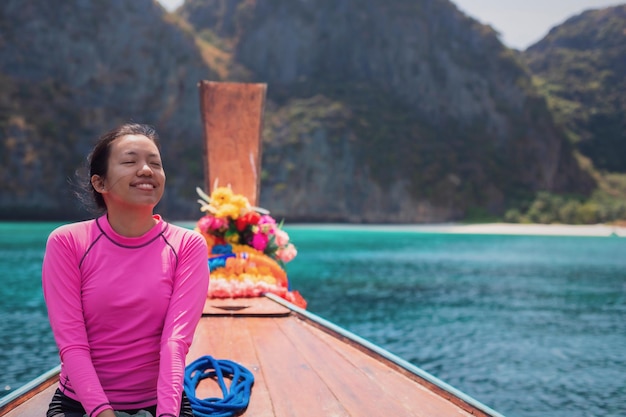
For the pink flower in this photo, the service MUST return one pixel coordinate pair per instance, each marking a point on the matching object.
(267, 224)
(233, 288)
(204, 223)
(209, 224)
(287, 253)
(266, 219)
(282, 238)
(259, 241)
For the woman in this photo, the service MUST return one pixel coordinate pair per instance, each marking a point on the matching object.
(124, 291)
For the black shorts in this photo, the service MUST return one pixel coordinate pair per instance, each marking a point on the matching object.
(63, 406)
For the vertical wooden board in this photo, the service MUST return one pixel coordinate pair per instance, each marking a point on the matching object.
(230, 338)
(232, 116)
(295, 387)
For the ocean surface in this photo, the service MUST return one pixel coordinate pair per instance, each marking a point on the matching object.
(528, 325)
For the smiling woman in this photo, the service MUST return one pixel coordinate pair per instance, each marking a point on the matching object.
(125, 290)
(133, 184)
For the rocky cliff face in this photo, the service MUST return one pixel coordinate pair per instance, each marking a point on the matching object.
(581, 67)
(439, 116)
(72, 70)
(397, 111)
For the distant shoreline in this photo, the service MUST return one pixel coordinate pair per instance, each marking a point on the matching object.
(483, 228)
(598, 230)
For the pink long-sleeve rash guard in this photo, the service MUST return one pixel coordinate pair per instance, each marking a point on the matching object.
(123, 312)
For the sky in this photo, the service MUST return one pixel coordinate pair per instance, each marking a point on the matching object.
(520, 23)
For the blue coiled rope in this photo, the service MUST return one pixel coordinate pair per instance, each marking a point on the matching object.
(235, 400)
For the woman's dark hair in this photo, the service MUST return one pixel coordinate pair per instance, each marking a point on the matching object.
(98, 159)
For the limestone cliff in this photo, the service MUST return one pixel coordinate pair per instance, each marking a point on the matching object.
(581, 66)
(436, 116)
(395, 111)
(71, 70)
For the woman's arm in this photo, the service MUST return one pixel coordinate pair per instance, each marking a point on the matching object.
(61, 280)
(185, 309)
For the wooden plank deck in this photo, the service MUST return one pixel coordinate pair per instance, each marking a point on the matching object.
(303, 370)
(302, 367)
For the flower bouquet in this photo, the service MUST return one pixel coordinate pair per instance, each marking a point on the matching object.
(248, 250)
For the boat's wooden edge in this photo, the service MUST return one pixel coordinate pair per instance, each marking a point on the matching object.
(29, 390)
(422, 377)
(243, 307)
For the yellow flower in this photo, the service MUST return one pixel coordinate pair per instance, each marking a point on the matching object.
(241, 202)
(221, 196)
(227, 211)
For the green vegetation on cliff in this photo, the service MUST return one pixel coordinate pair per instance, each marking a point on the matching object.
(580, 67)
(433, 102)
(407, 111)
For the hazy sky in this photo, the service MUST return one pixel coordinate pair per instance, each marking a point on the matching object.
(519, 22)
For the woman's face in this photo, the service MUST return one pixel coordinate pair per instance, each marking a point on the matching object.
(135, 176)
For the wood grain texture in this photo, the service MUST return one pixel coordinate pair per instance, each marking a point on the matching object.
(301, 369)
(232, 116)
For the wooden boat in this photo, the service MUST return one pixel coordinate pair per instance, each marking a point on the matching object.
(303, 365)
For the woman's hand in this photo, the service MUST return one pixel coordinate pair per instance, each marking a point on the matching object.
(106, 413)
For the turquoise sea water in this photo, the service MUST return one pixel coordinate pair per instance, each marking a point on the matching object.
(530, 326)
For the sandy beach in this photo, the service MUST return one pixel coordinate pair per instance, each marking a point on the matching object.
(489, 228)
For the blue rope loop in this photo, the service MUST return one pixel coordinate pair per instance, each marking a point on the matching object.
(234, 401)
